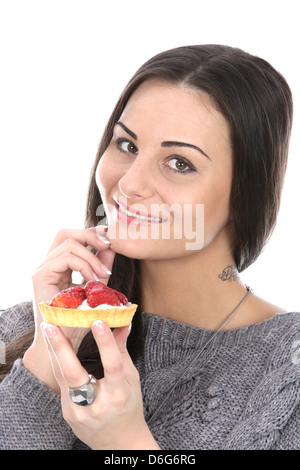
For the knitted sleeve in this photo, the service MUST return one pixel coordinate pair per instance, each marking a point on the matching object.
(271, 419)
(30, 413)
(16, 321)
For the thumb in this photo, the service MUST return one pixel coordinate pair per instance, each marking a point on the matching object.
(120, 335)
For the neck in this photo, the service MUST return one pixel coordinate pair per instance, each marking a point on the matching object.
(191, 290)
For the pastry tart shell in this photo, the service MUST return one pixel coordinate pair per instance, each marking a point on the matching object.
(114, 316)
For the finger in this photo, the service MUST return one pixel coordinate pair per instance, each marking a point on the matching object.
(111, 357)
(106, 257)
(101, 232)
(70, 261)
(67, 367)
(93, 237)
(55, 366)
(56, 274)
(75, 247)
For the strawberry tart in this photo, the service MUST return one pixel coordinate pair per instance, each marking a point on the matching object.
(81, 306)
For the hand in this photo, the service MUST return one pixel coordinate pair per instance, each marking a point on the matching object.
(69, 252)
(115, 420)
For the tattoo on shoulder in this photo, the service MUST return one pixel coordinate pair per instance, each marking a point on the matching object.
(230, 273)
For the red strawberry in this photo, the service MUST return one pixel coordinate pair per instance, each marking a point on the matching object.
(98, 293)
(69, 298)
(92, 284)
(122, 298)
(102, 296)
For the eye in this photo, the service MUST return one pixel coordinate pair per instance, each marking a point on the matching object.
(126, 146)
(180, 165)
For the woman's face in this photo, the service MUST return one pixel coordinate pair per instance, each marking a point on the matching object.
(165, 178)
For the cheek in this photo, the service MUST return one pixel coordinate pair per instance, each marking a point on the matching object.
(105, 183)
(106, 177)
(101, 175)
(216, 211)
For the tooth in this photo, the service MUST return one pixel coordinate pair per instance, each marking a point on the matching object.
(138, 216)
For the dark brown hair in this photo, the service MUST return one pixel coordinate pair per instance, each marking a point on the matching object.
(257, 102)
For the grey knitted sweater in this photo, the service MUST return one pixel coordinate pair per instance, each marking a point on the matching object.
(242, 393)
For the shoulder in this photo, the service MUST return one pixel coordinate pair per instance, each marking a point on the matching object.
(286, 329)
(16, 321)
(273, 407)
(282, 334)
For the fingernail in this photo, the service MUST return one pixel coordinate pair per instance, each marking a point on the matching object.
(107, 270)
(100, 327)
(103, 239)
(48, 330)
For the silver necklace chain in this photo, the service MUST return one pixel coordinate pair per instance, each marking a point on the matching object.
(194, 359)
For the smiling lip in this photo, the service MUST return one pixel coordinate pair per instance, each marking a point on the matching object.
(124, 213)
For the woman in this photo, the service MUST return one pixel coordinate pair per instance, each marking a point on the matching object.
(200, 133)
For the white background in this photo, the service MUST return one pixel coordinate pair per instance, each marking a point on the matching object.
(63, 64)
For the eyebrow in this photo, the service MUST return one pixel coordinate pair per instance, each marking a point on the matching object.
(168, 143)
(183, 144)
(129, 132)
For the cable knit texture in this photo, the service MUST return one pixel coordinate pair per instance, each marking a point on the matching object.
(243, 392)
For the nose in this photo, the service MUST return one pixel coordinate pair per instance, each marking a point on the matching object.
(138, 181)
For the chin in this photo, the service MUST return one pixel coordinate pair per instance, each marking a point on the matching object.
(158, 250)
(136, 249)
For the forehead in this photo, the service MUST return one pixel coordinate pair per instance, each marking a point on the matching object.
(171, 109)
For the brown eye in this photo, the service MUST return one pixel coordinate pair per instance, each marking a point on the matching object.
(132, 148)
(180, 165)
(127, 146)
